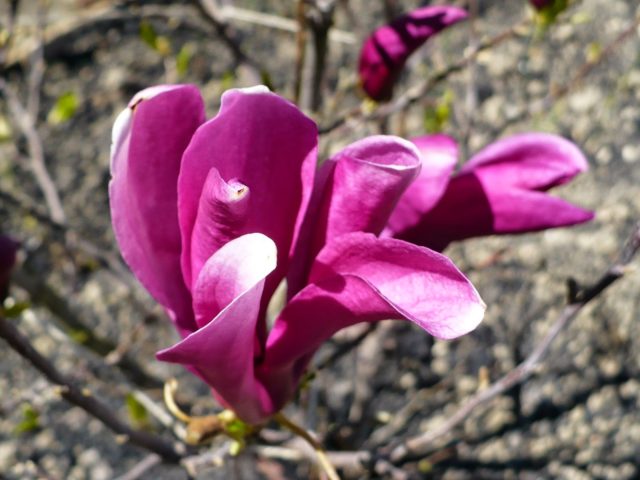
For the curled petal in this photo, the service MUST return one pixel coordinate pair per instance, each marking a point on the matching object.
(264, 143)
(222, 216)
(385, 52)
(439, 154)
(227, 298)
(356, 190)
(360, 278)
(149, 138)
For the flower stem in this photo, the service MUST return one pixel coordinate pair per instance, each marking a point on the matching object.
(169, 392)
(323, 460)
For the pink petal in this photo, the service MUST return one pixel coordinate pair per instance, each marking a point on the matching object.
(222, 216)
(149, 138)
(500, 191)
(471, 209)
(356, 190)
(532, 161)
(227, 297)
(385, 52)
(360, 278)
(439, 154)
(265, 143)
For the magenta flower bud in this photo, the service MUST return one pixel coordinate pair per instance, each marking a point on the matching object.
(387, 49)
(212, 216)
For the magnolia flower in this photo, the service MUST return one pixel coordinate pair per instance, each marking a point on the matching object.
(8, 249)
(213, 216)
(499, 190)
(385, 52)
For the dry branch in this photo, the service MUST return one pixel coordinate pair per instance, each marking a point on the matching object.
(420, 445)
(82, 398)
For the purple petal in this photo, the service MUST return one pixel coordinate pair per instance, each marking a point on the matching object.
(439, 154)
(385, 52)
(222, 216)
(360, 278)
(265, 143)
(149, 139)
(356, 190)
(500, 191)
(531, 161)
(227, 297)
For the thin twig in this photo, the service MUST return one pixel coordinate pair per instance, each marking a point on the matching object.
(142, 467)
(345, 347)
(319, 21)
(27, 126)
(412, 95)
(301, 48)
(230, 12)
(70, 238)
(210, 11)
(587, 67)
(83, 398)
(419, 445)
(324, 462)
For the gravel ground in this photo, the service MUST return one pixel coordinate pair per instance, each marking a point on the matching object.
(577, 418)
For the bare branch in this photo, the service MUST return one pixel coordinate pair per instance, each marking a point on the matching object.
(27, 126)
(82, 398)
(420, 444)
(142, 467)
(418, 92)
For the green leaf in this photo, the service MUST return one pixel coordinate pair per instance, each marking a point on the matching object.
(593, 51)
(5, 129)
(265, 79)
(159, 43)
(548, 15)
(64, 109)
(78, 335)
(163, 46)
(30, 420)
(137, 412)
(14, 309)
(183, 59)
(228, 79)
(148, 34)
(437, 116)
